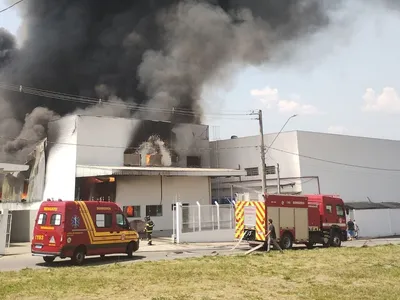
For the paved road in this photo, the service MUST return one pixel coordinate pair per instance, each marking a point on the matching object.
(18, 262)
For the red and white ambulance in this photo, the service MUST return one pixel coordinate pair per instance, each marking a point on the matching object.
(77, 229)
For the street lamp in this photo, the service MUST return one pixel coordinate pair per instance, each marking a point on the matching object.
(263, 153)
(280, 131)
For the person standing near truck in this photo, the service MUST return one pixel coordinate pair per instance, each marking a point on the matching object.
(149, 229)
(350, 229)
(271, 234)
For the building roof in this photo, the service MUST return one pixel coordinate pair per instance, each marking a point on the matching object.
(310, 132)
(13, 167)
(89, 171)
(372, 205)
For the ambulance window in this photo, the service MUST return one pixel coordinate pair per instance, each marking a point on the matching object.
(121, 222)
(42, 219)
(103, 220)
(55, 220)
(329, 209)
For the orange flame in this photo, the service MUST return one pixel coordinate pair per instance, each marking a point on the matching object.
(148, 156)
(24, 195)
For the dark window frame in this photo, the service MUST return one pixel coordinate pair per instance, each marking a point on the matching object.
(52, 221)
(193, 161)
(252, 171)
(343, 214)
(44, 220)
(109, 215)
(329, 211)
(150, 212)
(125, 224)
(136, 208)
(270, 170)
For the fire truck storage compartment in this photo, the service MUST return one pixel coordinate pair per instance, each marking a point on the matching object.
(290, 219)
(289, 213)
(250, 221)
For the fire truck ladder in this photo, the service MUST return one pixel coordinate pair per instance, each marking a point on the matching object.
(8, 232)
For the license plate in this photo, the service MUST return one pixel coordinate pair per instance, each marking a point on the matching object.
(38, 246)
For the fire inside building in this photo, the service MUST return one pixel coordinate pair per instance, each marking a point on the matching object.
(143, 166)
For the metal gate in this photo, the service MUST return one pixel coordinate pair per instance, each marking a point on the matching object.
(8, 231)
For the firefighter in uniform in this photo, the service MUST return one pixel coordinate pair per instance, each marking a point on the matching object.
(149, 229)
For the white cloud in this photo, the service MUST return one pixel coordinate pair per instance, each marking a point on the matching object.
(386, 102)
(271, 99)
(267, 96)
(338, 129)
(290, 106)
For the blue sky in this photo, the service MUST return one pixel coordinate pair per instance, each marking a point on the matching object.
(345, 80)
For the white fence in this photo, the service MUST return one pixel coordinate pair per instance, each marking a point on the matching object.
(203, 223)
(375, 223)
(4, 215)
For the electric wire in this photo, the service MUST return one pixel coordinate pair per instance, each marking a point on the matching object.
(213, 148)
(94, 101)
(10, 6)
(124, 105)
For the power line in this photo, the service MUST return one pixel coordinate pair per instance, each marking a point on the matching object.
(12, 5)
(337, 163)
(210, 148)
(123, 105)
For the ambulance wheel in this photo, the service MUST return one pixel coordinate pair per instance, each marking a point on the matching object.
(79, 256)
(49, 259)
(130, 249)
(286, 241)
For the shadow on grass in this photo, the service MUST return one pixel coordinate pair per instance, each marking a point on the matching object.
(91, 261)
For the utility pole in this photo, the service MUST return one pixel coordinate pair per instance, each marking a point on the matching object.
(278, 178)
(263, 165)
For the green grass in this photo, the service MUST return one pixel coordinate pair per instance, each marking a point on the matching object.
(335, 273)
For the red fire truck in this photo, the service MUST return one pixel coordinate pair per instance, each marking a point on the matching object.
(77, 229)
(309, 220)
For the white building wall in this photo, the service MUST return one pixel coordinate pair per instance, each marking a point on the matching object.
(61, 159)
(103, 140)
(375, 223)
(245, 153)
(352, 184)
(146, 190)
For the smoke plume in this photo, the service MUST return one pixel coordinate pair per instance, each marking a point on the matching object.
(155, 54)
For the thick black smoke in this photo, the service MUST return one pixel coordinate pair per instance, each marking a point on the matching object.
(156, 53)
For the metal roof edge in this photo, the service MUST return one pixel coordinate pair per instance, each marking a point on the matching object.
(88, 171)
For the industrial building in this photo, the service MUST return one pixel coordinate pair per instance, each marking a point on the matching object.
(143, 166)
(358, 169)
(113, 159)
(364, 172)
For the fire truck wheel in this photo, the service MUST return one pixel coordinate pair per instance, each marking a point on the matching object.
(336, 241)
(79, 256)
(49, 259)
(310, 245)
(286, 241)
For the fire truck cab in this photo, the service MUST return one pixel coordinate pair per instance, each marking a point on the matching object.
(77, 229)
(309, 220)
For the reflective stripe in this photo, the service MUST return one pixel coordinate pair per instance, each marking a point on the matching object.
(334, 224)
